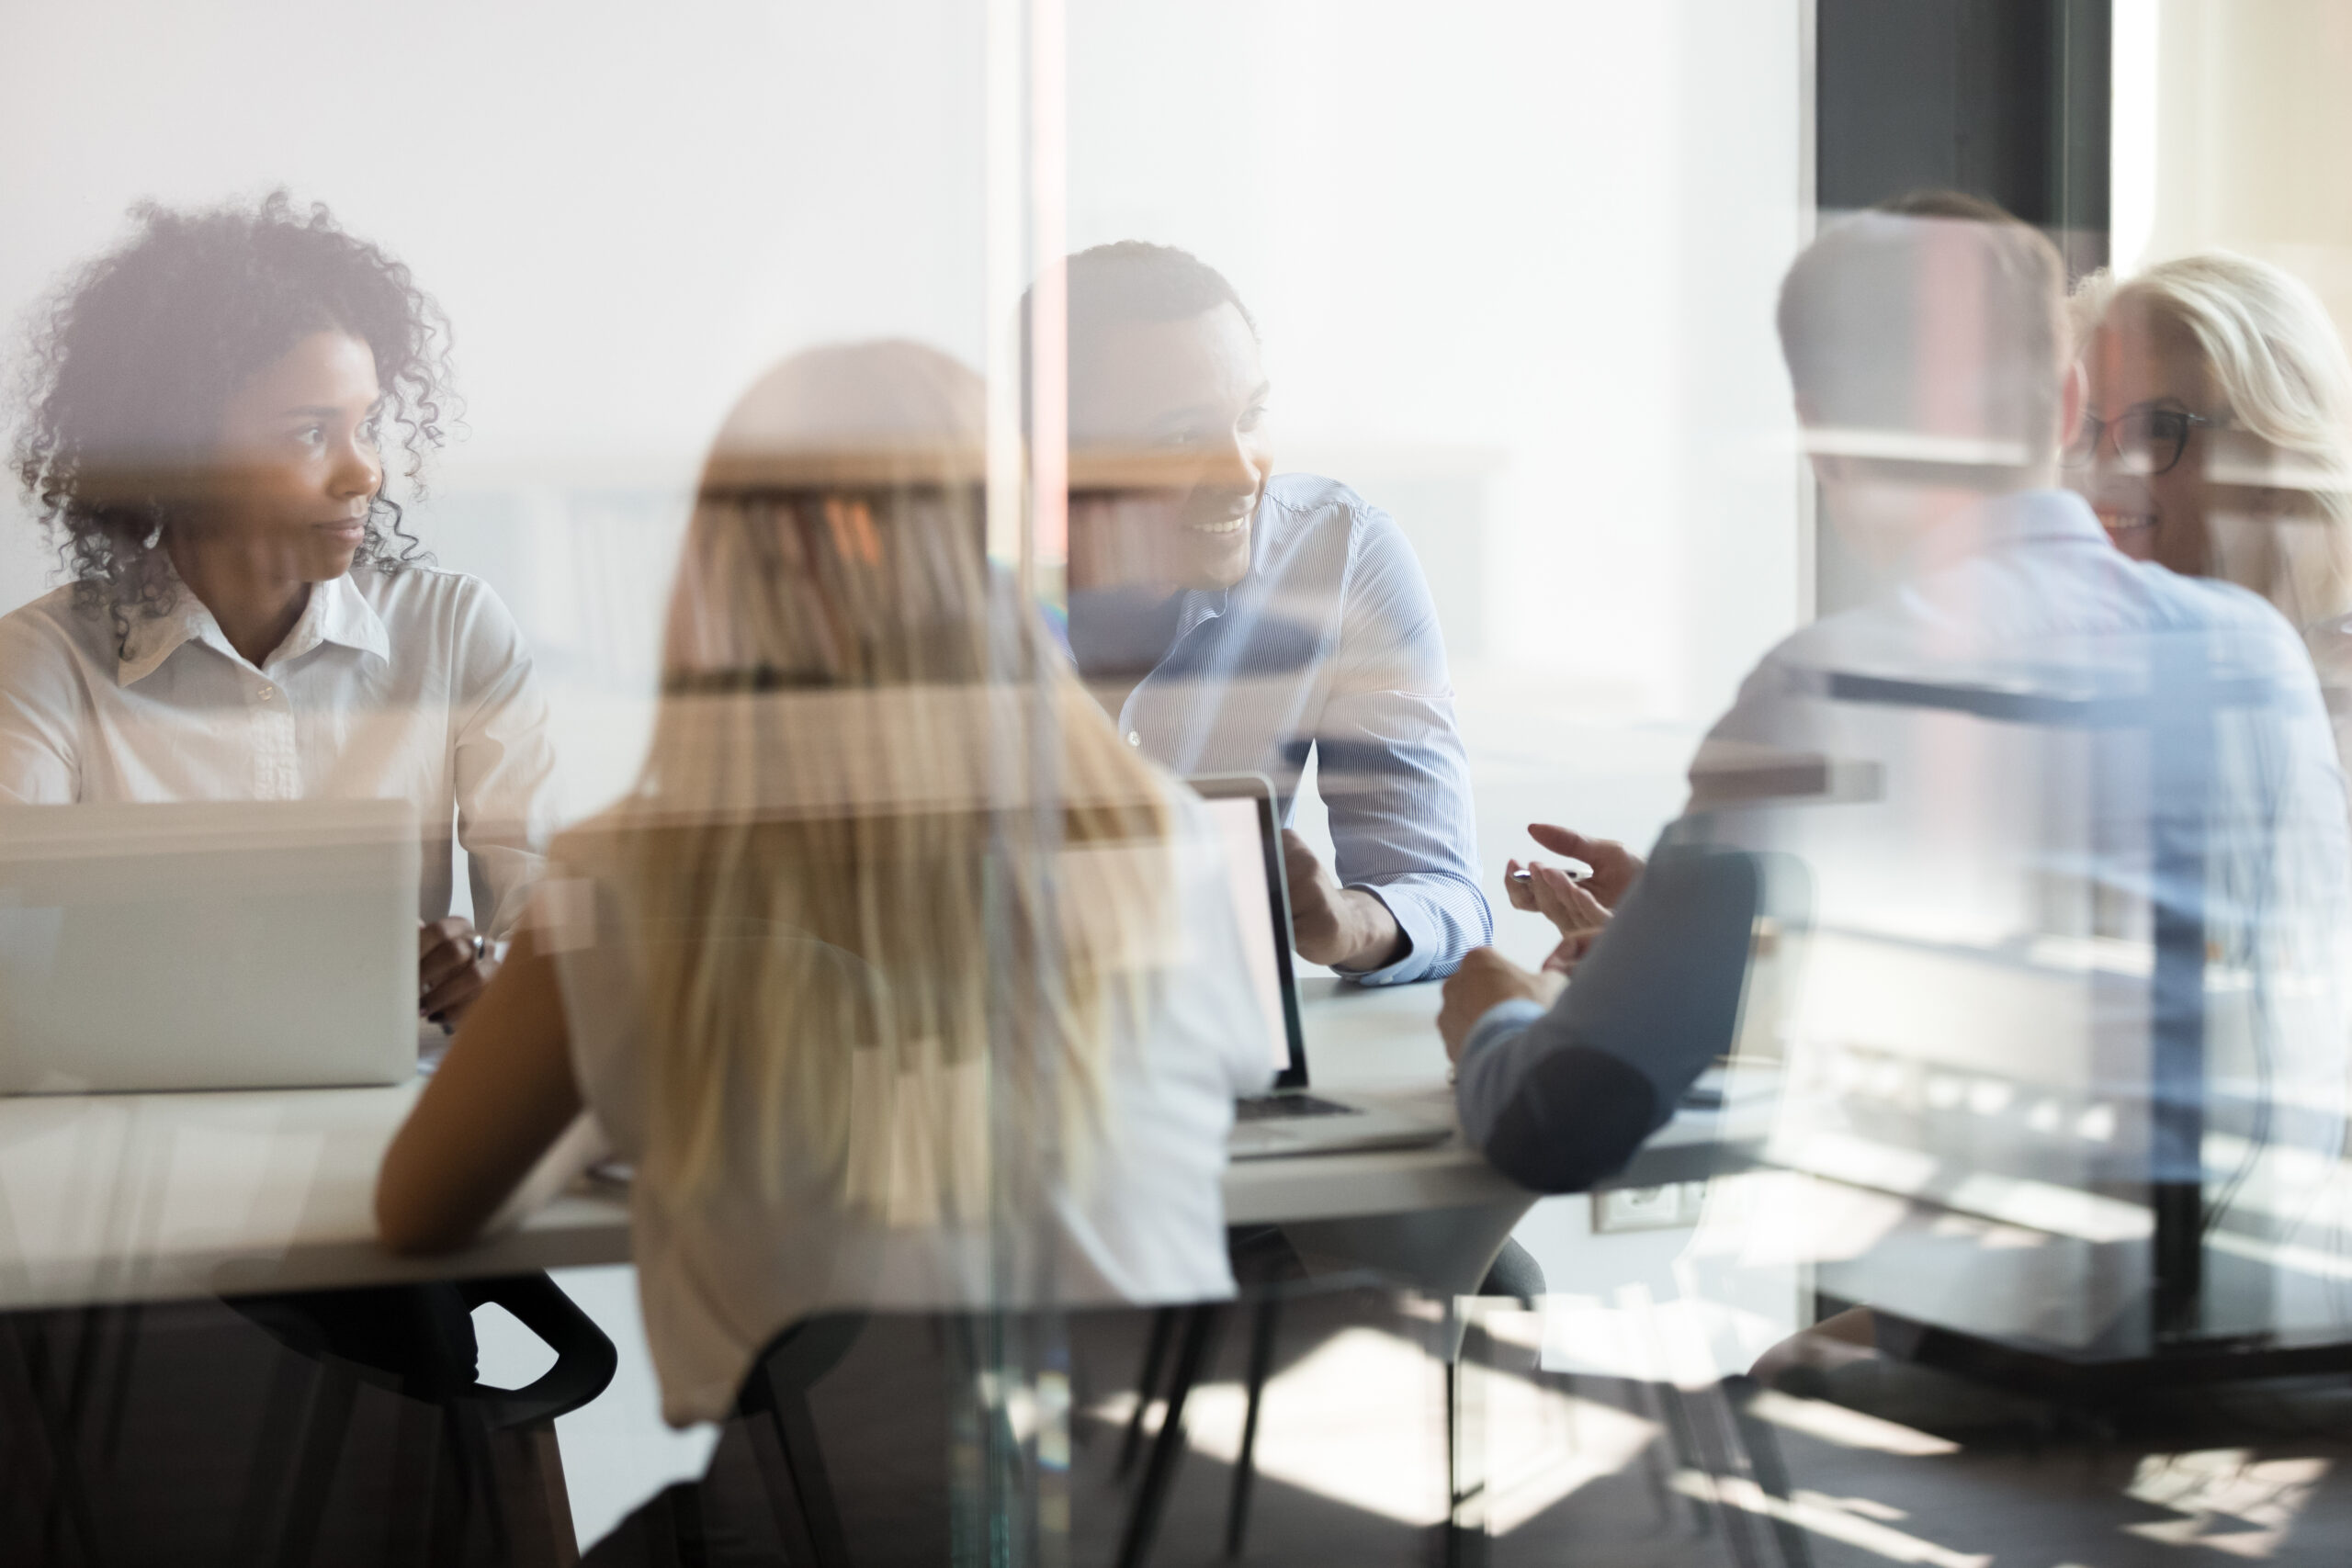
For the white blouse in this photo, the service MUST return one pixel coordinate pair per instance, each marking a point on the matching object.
(411, 685)
(719, 1277)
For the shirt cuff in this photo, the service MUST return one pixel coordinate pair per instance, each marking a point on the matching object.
(1419, 928)
(1505, 1018)
(1477, 1101)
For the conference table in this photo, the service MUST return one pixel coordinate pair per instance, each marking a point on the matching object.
(127, 1197)
(133, 1198)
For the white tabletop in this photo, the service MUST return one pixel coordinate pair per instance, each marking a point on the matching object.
(113, 1198)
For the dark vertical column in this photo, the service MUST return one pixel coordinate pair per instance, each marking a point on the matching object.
(2005, 99)
(2183, 736)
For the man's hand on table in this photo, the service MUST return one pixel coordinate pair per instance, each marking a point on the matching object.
(453, 965)
(1563, 960)
(1486, 979)
(1346, 928)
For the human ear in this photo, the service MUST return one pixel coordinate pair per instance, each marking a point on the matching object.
(2074, 396)
(1826, 467)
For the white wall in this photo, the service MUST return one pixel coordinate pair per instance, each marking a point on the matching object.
(2249, 115)
(627, 213)
(1513, 259)
(1528, 246)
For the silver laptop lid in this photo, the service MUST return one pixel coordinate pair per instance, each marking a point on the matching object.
(221, 945)
(1243, 807)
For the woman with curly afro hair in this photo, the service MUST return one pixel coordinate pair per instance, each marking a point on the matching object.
(209, 412)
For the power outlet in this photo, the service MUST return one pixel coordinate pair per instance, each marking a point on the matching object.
(1621, 1209)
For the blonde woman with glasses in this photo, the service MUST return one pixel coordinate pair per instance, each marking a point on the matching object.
(2218, 439)
(898, 978)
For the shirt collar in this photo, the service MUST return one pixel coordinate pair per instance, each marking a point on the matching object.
(338, 612)
(151, 638)
(2005, 523)
(1201, 604)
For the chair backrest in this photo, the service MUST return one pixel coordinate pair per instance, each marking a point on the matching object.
(419, 1340)
(891, 1437)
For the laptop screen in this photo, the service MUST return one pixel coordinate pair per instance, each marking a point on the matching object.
(1246, 829)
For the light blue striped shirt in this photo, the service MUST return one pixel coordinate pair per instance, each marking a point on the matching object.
(1331, 646)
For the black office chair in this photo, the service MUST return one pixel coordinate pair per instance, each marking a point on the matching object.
(416, 1341)
(176, 1431)
(776, 1394)
(864, 1440)
(801, 1492)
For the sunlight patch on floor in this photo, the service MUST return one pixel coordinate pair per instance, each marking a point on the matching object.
(1543, 1444)
(1847, 1428)
(1689, 1342)
(1856, 1522)
(2228, 1500)
(1361, 1420)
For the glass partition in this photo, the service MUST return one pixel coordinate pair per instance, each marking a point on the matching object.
(1069, 780)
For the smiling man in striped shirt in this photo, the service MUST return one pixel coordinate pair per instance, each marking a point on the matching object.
(1234, 619)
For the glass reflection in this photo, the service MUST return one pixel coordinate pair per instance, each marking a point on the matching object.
(2009, 867)
(2075, 849)
(2078, 978)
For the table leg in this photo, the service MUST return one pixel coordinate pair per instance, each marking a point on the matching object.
(1446, 1252)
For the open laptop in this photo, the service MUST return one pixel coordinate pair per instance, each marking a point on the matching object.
(232, 945)
(1290, 1121)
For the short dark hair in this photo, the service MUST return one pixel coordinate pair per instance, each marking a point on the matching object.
(1131, 281)
(1134, 280)
(133, 357)
(1853, 308)
(1936, 202)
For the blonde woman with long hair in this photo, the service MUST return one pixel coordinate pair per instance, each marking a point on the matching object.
(2218, 438)
(898, 977)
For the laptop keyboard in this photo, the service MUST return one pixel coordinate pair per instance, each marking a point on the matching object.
(1281, 1107)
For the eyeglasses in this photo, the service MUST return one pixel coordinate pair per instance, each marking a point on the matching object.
(2148, 442)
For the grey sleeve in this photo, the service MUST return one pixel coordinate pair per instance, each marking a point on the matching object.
(1559, 1100)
